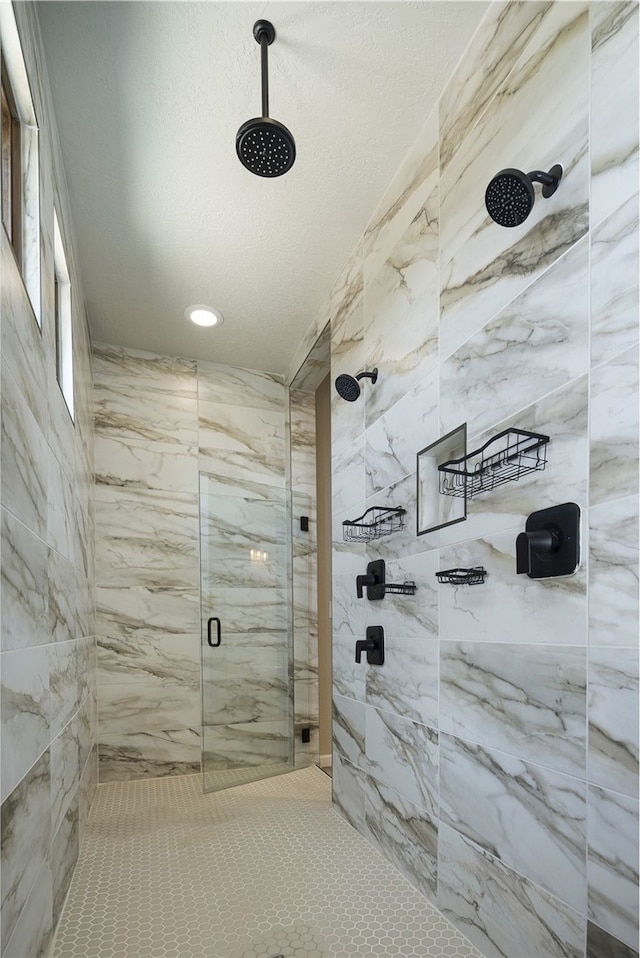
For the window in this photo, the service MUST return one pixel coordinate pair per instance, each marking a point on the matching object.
(63, 321)
(20, 160)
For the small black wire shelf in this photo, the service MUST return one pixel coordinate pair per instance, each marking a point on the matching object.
(375, 523)
(400, 588)
(508, 456)
(474, 576)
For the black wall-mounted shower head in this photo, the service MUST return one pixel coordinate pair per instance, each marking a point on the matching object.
(265, 146)
(510, 196)
(348, 387)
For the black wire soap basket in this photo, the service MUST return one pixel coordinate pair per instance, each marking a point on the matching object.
(473, 576)
(508, 456)
(375, 523)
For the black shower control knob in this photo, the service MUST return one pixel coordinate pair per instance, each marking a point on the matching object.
(550, 544)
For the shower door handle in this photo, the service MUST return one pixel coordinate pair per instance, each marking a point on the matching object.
(214, 645)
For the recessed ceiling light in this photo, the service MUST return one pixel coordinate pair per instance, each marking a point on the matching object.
(204, 316)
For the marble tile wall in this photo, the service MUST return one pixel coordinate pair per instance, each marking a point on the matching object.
(47, 625)
(494, 757)
(186, 498)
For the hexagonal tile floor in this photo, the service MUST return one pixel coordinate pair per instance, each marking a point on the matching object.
(262, 870)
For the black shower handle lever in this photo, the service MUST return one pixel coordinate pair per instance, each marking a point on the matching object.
(214, 618)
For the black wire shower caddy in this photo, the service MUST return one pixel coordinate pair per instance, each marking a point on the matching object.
(375, 523)
(507, 456)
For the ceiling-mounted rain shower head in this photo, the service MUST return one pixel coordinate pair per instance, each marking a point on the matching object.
(348, 387)
(509, 197)
(265, 146)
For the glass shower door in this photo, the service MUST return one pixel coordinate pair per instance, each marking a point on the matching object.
(246, 646)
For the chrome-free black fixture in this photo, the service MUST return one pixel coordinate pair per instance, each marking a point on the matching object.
(348, 387)
(375, 581)
(510, 196)
(373, 645)
(550, 544)
(265, 146)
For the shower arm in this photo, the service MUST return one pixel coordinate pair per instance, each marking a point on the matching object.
(264, 55)
(539, 176)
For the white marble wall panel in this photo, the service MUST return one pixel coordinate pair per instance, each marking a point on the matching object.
(408, 616)
(532, 819)
(141, 657)
(614, 283)
(64, 853)
(24, 586)
(497, 45)
(407, 684)
(393, 441)
(348, 611)
(348, 476)
(23, 459)
(348, 675)
(242, 744)
(484, 266)
(230, 528)
(403, 755)
(148, 538)
(145, 465)
(600, 942)
(613, 719)
(235, 386)
(528, 700)
(68, 684)
(25, 712)
(501, 912)
(65, 771)
(613, 573)
(248, 610)
(243, 443)
(349, 719)
(129, 755)
(130, 412)
(406, 835)
(614, 106)
(535, 345)
(34, 928)
(149, 372)
(614, 429)
(613, 863)
(67, 600)
(257, 695)
(148, 706)
(550, 611)
(349, 791)
(143, 611)
(26, 834)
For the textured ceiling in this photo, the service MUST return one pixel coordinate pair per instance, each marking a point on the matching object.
(149, 97)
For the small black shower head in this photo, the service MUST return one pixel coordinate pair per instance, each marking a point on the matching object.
(509, 197)
(348, 387)
(265, 146)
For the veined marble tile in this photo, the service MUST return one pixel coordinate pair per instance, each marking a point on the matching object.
(613, 573)
(348, 677)
(347, 418)
(67, 686)
(64, 855)
(142, 658)
(148, 706)
(24, 457)
(601, 943)
(125, 613)
(345, 307)
(247, 610)
(62, 513)
(527, 126)
(407, 684)
(259, 695)
(26, 834)
(614, 283)
(25, 712)
(403, 303)
(497, 44)
(501, 912)
(146, 538)
(529, 700)
(65, 771)
(613, 719)
(535, 345)
(348, 476)
(563, 416)
(130, 412)
(614, 105)
(231, 527)
(235, 386)
(232, 487)
(405, 834)
(135, 464)
(34, 928)
(349, 791)
(349, 730)
(348, 611)
(613, 863)
(394, 440)
(614, 429)
(408, 616)
(130, 755)
(65, 596)
(61, 430)
(24, 586)
(243, 443)
(22, 345)
(403, 755)
(532, 819)
(251, 743)
(552, 611)
(148, 372)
